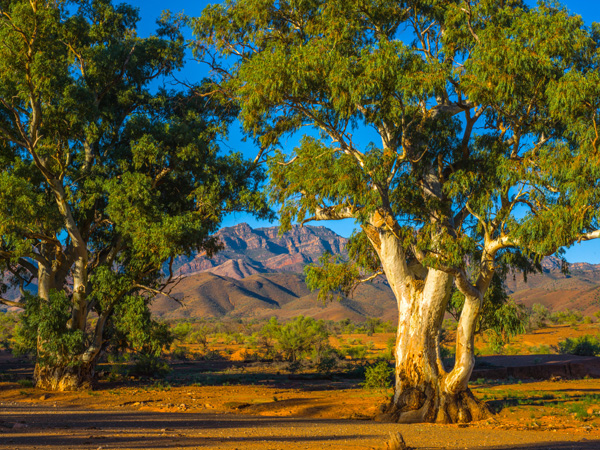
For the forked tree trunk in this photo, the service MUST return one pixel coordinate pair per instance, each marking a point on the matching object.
(424, 391)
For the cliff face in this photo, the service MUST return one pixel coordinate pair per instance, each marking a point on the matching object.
(247, 251)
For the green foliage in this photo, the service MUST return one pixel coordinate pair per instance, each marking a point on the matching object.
(104, 179)
(501, 316)
(333, 278)
(299, 337)
(8, 322)
(539, 316)
(181, 331)
(582, 346)
(25, 383)
(47, 321)
(541, 349)
(485, 149)
(149, 366)
(571, 317)
(378, 376)
(133, 328)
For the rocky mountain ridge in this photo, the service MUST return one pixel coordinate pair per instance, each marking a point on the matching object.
(247, 251)
(259, 274)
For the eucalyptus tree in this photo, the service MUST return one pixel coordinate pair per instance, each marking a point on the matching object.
(467, 99)
(104, 180)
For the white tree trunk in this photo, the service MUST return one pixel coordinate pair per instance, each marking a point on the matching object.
(424, 392)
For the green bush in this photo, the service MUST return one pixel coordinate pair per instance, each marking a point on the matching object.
(567, 316)
(378, 376)
(446, 352)
(357, 352)
(297, 338)
(541, 349)
(150, 366)
(8, 321)
(538, 316)
(25, 383)
(587, 345)
(181, 331)
(179, 353)
(449, 324)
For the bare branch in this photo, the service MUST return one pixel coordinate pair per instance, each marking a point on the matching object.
(332, 213)
(11, 303)
(157, 292)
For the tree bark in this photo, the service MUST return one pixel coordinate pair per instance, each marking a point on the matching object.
(61, 377)
(424, 391)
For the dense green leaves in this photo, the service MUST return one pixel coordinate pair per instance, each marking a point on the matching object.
(45, 324)
(105, 177)
(480, 108)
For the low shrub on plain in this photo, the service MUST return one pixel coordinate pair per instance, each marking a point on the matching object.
(587, 345)
(378, 377)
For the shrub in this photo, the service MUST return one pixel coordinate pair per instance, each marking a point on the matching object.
(149, 366)
(541, 349)
(446, 352)
(378, 376)
(567, 316)
(181, 331)
(539, 316)
(357, 352)
(449, 324)
(200, 336)
(179, 353)
(297, 338)
(582, 346)
(25, 383)
(389, 348)
(8, 321)
(495, 343)
(328, 362)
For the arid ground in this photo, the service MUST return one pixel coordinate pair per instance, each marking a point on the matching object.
(237, 405)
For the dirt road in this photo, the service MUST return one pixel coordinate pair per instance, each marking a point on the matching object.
(27, 426)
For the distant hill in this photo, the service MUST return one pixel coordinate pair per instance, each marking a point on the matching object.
(249, 251)
(578, 289)
(260, 274)
(283, 295)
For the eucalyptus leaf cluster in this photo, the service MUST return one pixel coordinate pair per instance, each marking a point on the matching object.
(106, 175)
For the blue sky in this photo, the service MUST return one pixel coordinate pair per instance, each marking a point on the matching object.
(151, 9)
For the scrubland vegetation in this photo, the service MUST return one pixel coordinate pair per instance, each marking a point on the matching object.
(305, 345)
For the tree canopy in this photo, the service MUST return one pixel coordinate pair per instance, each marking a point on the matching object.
(486, 155)
(106, 176)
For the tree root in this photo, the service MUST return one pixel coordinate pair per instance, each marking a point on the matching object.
(434, 407)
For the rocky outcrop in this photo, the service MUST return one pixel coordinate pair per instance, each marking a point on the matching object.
(247, 251)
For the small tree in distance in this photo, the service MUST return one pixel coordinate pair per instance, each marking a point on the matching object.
(478, 112)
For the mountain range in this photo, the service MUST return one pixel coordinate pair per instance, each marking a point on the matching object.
(259, 273)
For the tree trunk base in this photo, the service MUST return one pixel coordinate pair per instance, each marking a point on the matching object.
(417, 406)
(61, 378)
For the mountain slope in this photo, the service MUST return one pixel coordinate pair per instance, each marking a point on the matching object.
(259, 274)
(247, 251)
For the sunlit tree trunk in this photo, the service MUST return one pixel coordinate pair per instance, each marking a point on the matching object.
(424, 391)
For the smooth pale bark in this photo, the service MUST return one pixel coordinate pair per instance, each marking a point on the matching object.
(424, 391)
